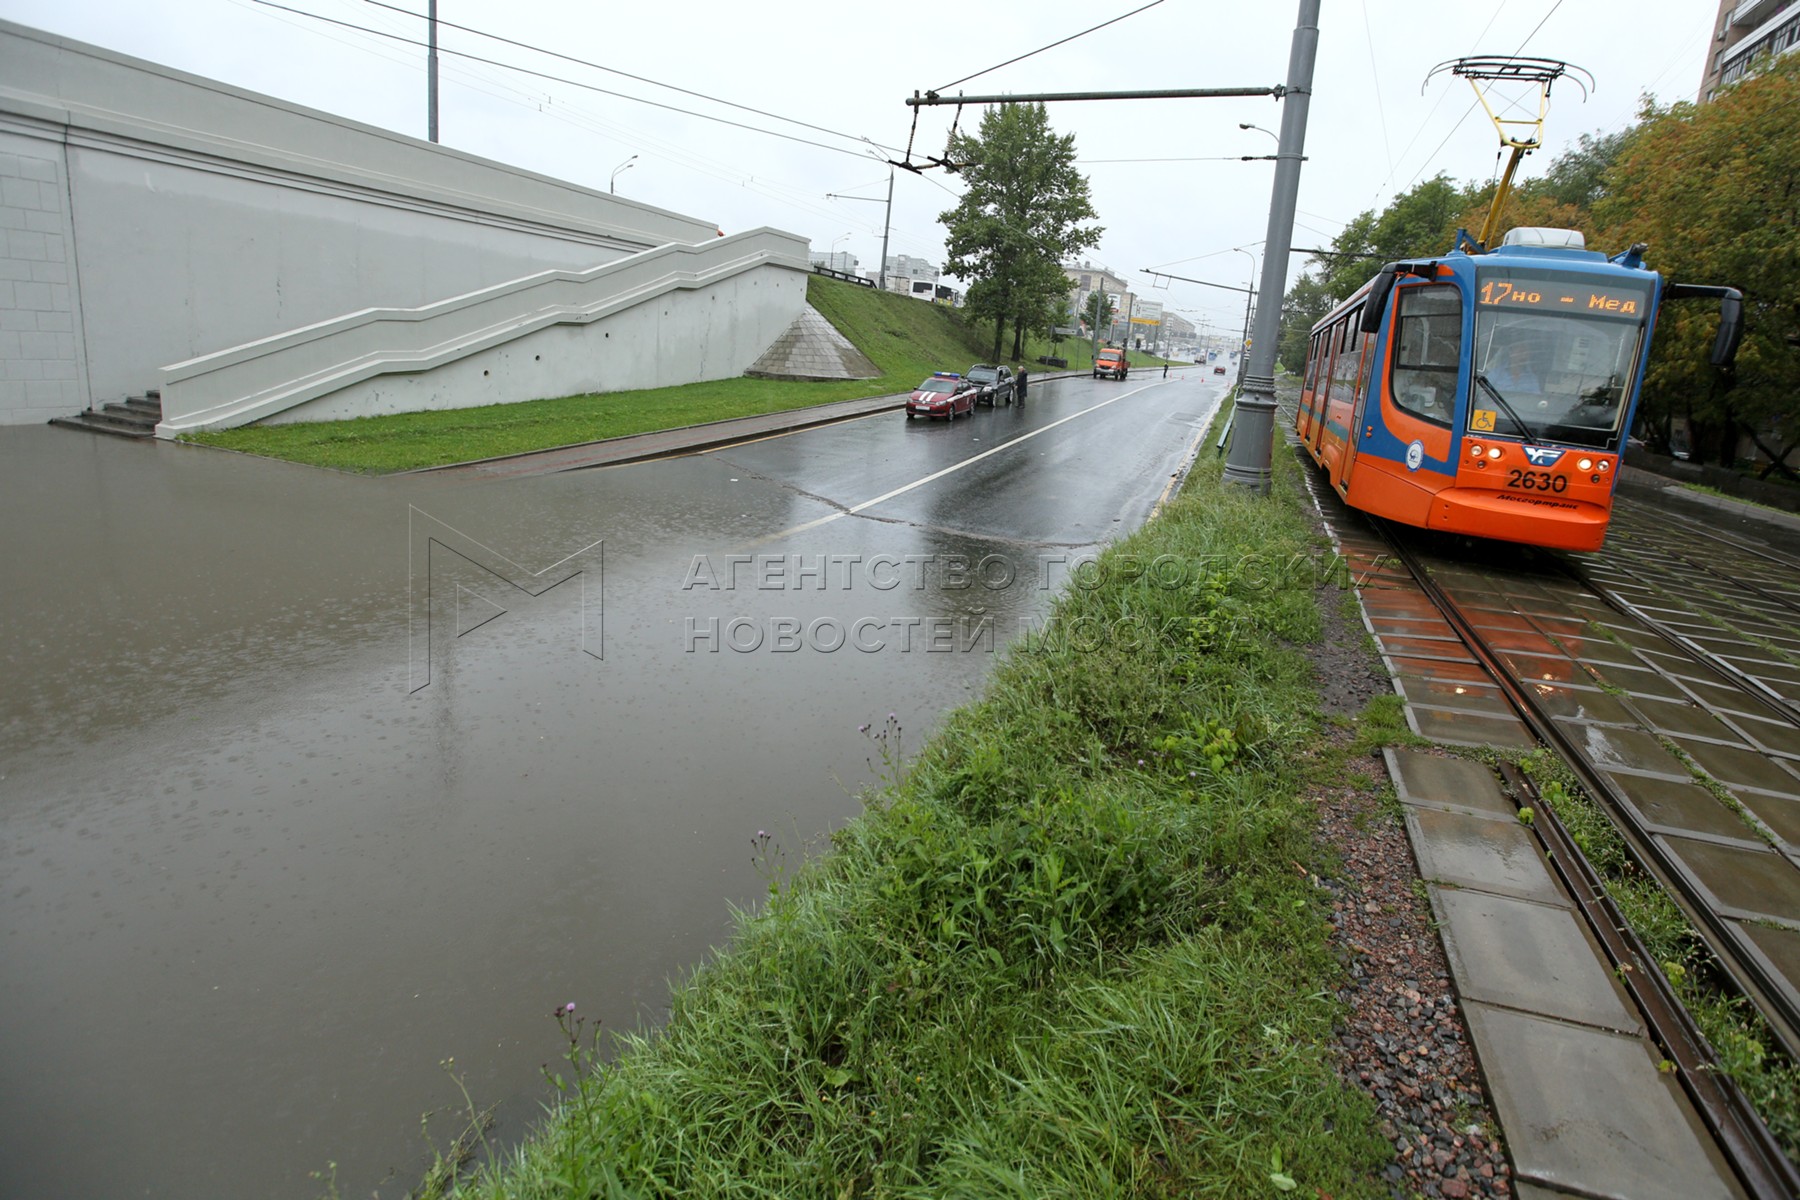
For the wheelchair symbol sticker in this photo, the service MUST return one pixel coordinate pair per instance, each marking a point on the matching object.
(1482, 421)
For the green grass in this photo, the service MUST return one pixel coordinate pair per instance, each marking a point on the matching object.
(1066, 952)
(905, 338)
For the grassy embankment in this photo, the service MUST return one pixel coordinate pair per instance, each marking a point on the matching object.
(1072, 949)
(907, 340)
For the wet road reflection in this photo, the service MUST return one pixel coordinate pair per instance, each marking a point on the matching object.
(303, 791)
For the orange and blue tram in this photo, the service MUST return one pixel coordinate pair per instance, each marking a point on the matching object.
(1490, 394)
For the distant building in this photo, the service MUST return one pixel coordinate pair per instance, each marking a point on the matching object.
(909, 276)
(1087, 279)
(842, 260)
(1744, 30)
(1178, 331)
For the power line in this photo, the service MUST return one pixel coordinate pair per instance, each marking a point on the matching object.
(628, 75)
(1053, 45)
(562, 79)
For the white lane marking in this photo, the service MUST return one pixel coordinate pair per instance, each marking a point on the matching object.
(950, 470)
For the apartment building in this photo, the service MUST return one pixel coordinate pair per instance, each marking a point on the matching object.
(1744, 30)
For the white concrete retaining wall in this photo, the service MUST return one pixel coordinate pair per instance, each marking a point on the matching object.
(154, 216)
(676, 314)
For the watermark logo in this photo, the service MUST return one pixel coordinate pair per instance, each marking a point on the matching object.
(989, 619)
(457, 584)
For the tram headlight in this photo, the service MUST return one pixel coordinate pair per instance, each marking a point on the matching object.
(1475, 450)
(1605, 465)
(1493, 452)
(1586, 464)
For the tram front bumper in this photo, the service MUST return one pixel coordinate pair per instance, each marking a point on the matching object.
(1534, 519)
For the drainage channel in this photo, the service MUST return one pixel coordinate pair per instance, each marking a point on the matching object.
(1496, 680)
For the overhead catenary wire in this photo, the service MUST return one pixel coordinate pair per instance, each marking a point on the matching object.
(792, 196)
(1009, 62)
(494, 62)
(535, 49)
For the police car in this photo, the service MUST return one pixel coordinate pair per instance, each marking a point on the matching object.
(945, 395)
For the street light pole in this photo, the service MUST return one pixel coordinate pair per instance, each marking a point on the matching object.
(886, 225)
(431, 99)
(1253, 438)
(612, 184)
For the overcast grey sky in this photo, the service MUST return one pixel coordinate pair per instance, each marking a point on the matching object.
(1166, 178)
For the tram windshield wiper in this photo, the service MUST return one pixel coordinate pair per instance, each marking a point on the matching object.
(1524, 430)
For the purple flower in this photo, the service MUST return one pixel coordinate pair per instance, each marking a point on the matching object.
(569, 1007)
(762, 833)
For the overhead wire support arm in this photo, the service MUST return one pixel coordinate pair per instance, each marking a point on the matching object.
(1202, 282)
(926, 99)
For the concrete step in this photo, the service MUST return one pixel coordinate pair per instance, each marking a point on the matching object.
(150, 405)
(100, 422)
(133, 414)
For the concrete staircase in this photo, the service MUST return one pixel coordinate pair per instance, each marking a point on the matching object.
(136, 418)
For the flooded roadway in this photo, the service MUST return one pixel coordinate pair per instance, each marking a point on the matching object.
(303, 791)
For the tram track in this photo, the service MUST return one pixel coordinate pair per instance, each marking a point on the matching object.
(1664, 671)
(1741, 1134)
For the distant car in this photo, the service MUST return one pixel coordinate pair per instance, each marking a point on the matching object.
(1112, 361)
(943, 395)
(1219, 370)
(996, 383)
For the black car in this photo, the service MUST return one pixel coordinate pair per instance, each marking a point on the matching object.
(996, 383)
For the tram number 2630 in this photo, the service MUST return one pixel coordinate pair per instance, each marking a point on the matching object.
(1536, 481)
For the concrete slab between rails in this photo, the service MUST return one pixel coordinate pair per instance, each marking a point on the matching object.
(1534, 958)
(1740, 880)
(1463, 728)
(1587, 1111)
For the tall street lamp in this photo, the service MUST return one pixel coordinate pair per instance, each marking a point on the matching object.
(611, 184)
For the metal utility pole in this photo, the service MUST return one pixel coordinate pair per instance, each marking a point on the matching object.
(1253, 421)
(431, 70)
(886, 225)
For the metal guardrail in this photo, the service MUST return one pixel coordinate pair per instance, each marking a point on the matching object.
(858, 280)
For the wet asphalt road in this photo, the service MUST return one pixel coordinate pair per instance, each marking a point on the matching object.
(303, 790)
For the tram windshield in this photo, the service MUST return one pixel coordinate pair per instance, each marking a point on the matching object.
(1555, 354)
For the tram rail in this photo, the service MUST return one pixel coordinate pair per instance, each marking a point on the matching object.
(1762, 1167)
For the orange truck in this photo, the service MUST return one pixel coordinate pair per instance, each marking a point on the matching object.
(1111, 361)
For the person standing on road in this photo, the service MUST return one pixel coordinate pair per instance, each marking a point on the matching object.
(1165, 370)
(1019, 384)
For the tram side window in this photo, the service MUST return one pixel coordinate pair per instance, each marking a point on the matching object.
(1344, 372)
(1428, 351)
(1312, 365)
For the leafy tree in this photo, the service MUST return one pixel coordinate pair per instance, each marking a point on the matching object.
(1578, 178)
(1021, 217)
(1715, 190)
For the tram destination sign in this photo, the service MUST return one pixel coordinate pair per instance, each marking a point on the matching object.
(1516, 291)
